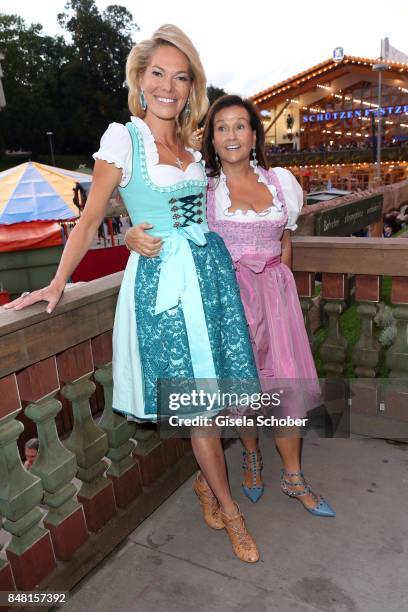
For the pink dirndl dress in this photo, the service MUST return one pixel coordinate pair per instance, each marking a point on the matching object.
(268, 291)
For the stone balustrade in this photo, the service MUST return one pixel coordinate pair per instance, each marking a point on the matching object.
(97, 476)
(353, 270)
(55, 533)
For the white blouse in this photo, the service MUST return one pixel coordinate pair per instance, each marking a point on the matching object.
(116, 148)
(292, 193)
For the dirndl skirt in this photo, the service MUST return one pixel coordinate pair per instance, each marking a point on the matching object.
(148, 347)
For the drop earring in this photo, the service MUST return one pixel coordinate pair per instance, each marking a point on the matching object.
(254, 160)
(217, 159)
(142, 99)
(187, 108)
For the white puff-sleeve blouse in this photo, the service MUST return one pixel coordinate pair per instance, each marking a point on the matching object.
(292, 193)
(116, 148)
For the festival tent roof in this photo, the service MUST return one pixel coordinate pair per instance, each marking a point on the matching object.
(27, 236)
(36, 192)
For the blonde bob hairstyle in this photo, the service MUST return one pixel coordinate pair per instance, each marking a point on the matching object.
(138, 61)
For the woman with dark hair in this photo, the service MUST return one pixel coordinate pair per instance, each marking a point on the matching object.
(211, 157)
(254, 210)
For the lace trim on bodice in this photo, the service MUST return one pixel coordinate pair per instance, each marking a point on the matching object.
(276, 203)
(135, 128)
(151, 152)
(261, 236)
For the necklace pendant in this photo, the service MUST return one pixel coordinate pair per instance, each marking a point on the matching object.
(179, 163)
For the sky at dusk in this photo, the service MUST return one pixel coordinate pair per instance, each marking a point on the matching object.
(247, 47)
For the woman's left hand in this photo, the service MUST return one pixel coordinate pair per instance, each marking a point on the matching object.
(136, 239)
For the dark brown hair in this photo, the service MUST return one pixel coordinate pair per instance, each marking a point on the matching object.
(213, 164)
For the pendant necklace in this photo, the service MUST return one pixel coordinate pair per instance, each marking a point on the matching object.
(179, 161)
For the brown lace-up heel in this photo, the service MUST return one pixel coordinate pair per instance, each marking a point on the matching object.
(243, 544)
(209, 503)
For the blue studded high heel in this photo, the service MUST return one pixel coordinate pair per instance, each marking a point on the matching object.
(253, 463)
(322, 508)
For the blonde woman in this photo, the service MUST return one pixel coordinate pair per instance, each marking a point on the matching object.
(178, 316)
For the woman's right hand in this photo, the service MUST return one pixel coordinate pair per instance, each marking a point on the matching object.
(51, 294)
(136, 239)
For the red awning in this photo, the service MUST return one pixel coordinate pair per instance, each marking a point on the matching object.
(30, 235)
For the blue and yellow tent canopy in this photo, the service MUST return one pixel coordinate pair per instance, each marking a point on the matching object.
(36, 192)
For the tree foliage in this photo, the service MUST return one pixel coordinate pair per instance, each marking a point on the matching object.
(214, 93)
(72, 86)
(31, 69)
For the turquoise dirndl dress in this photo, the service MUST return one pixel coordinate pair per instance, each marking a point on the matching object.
(179, 316)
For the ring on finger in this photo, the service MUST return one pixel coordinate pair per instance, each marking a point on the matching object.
(24, 294)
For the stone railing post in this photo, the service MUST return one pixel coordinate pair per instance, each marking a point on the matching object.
(367, 350)
(150, 455)
(55, 465)
(397, 356)
(305, 284)
(124, 470)
(6, 575)
(30, 550)
(396, 396)
(333, 349)
(87, 441)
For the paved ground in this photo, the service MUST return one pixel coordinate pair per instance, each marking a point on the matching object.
(356, 562)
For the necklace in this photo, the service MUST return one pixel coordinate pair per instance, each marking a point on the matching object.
(179, 161)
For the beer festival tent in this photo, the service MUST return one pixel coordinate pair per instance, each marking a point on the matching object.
(34, 200)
